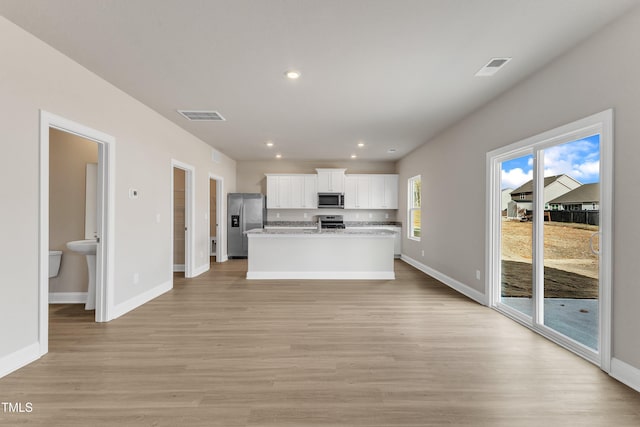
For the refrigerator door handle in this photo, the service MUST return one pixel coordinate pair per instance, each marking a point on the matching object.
(242, 218)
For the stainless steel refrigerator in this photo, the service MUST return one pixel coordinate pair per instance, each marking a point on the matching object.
(245, 211)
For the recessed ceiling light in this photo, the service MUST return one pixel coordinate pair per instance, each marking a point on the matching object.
(391, 150)
(269, 144)
(353, 156)
(360, 144)
(292, 74)
(278, 156)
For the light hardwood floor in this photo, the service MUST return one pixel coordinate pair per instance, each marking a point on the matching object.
(221, 351)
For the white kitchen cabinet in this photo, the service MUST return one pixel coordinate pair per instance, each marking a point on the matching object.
(278, 191)
(375, 191)
(310, 193)
(296, 191)
(357, 191)
(384, 191)
(331, 180)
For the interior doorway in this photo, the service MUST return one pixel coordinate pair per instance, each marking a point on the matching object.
(182, 211)
(104, 218)
(179, 217)
(73, 190)
(216, 219)
(549, 235)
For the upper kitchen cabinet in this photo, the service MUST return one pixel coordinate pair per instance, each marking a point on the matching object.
(278, 191)
(330, 180)
(384, 191)
(357, 192)
(371, 191)
(298, 191)
(304, 191)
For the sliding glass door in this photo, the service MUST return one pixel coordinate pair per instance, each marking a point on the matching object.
(570, 240)
(549, 234)
(516, 234)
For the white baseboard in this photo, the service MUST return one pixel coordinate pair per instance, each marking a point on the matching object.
(67, 297)
(625, 373)
(178, 268)
(143, 298)
(199, 270)
(321, 275)
(18, 359)
(479, 297)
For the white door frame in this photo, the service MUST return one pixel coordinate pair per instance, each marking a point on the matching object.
(106, 219)
(221, 244)
(189, 216)
(601, 123)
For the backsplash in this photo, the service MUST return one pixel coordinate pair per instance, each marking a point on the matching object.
(350, 215)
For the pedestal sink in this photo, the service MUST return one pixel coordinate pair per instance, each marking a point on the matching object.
(87, 248)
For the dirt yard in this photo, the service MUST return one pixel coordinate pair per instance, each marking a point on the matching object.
(571, 269)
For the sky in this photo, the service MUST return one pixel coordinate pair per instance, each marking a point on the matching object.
(579, 159)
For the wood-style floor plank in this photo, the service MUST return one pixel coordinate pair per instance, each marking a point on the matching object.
(219, 350)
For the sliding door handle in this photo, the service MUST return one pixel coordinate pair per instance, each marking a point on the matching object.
(593, 249)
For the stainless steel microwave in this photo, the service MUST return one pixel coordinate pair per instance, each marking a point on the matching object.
(331, 200)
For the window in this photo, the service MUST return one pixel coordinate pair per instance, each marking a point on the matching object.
(414, 190)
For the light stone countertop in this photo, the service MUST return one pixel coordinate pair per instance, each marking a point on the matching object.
(315, 233)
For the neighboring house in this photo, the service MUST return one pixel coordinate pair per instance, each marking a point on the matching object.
(584, 198)
(505, 199)
(554, 186)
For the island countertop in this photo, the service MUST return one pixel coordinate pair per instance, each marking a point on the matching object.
(306, 232)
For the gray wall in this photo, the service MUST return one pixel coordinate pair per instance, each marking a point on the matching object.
(33, 76)
(603, 72)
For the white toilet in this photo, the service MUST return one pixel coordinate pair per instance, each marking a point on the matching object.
(54, 263)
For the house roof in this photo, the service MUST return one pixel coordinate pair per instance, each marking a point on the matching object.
(527, 187)
(586, 193)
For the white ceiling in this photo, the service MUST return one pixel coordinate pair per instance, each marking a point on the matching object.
(389, 73)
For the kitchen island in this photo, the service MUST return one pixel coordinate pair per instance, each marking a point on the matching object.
(315, 254)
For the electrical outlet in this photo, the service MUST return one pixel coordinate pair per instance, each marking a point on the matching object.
(478, 274)
(304, 215)
(386, 216)
(357, 216)
(370, 215)
(136, 278)
(158, 218)
(423, 252)
(277, 214)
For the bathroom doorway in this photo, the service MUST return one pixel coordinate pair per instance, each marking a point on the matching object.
(182, 211)
(216, 216)
(102, 226)
(73, 162)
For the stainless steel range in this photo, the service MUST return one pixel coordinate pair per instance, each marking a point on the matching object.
(331, 222)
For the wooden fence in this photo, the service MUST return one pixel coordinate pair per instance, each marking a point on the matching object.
(578, 217)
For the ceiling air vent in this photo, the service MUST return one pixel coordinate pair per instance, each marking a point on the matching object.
(202, 116)
(492, 67)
